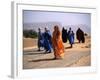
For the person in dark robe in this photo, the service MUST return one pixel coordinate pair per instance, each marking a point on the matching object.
(80, 35)
(64, 35)
(47, 41)
(40, 39)
(71, 37)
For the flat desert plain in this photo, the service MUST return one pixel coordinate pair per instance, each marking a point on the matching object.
(78, 56)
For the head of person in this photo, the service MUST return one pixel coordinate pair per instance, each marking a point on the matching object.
(63, 28)
(78, 28)
(46, 29)
(70, 28)
(39, 29)
(56, 29)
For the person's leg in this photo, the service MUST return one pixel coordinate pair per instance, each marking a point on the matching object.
(83, 40)
(71, 45)
(38, 46)
(45, 47)
(49, 48)
(70, 41)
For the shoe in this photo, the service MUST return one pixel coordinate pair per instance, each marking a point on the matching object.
(38, 50)
(49, 51)
(45, 52)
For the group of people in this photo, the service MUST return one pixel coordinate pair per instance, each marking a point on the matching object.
(51, 42)
(55, 40)
(44, 40)
(68, 36)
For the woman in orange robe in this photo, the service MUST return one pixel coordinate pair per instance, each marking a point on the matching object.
(57, 43)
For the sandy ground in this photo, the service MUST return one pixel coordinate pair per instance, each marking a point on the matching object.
(79, 55)
(29, 42)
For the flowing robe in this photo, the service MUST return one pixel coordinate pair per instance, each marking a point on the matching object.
(64, 35)
(40, 40)
(47, 41)
(58, 45)
(80, 35)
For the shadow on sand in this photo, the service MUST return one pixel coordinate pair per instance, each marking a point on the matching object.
(42, 60)
(33, 52)
(68, 47)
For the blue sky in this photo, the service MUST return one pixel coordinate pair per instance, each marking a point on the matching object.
(64, 18)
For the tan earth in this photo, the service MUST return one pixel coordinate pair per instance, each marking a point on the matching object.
(79, 55)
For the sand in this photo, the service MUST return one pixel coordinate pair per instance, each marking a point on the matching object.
(79, 55)
(29, 42)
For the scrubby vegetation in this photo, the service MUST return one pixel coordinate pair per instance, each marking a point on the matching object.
(30, 34)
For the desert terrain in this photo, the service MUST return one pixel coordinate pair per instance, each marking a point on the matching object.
(79, 55)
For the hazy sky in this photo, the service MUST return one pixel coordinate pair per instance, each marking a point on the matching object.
(64, 18)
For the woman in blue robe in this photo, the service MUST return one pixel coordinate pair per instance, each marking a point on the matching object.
(40, 39)
(47, 41)
(71, 37)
